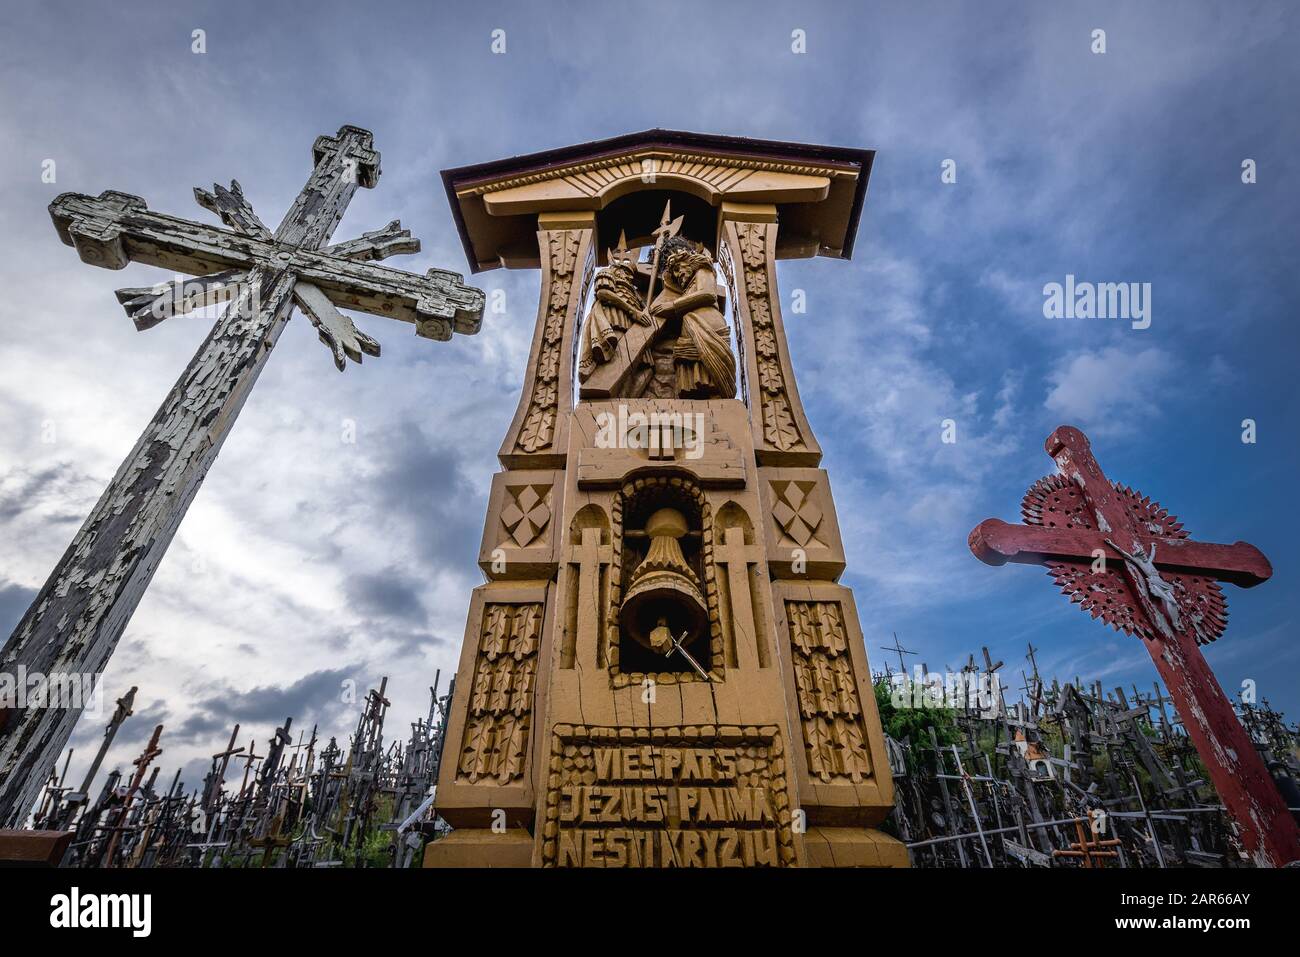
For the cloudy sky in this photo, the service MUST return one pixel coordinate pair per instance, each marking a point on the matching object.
(307, 562)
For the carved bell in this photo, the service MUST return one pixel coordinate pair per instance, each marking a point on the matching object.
(663, 599)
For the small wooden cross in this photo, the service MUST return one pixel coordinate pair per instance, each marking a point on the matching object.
(1089, 853)
(220, 761)
(1126, 560)
(896, 646)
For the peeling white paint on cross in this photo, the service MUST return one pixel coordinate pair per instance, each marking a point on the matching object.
(77, 618)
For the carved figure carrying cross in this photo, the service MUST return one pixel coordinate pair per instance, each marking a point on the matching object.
(77, 618)
(1126, 560)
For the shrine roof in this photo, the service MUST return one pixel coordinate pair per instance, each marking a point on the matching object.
(818, 191)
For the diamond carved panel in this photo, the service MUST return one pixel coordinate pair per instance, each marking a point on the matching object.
(527, 513)
(519, 540)
(803, 536)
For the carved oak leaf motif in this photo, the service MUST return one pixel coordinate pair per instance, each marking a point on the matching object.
(476, 754)
(832, 629)
(545, 394)
(779, 428)
(765, 342)
(499, 698)
(756, 283)
(527, 630)
(564, 251)
(769, 375)
(548, 366)
(802, 683)
(536, 433)
(482, 685)
(753, 246)
(817, 744)
(846, 693)
(496, 628)
(554, 328)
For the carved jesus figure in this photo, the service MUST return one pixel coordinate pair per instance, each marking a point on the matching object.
(704, 365)
(701, 359)
(688, 351)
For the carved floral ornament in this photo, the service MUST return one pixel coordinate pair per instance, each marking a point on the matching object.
(780, 427)
(538, 430)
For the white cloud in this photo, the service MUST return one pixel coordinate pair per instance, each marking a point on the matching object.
(1110, 391)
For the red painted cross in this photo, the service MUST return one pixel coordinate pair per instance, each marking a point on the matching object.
(1083, 526)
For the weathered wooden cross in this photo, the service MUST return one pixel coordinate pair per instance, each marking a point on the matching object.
(1126, 560)
(220, 762)
(77, 618)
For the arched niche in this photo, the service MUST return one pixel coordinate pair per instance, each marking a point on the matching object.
(732, 515)
(639, 210)
(635, 502)
(589, 516)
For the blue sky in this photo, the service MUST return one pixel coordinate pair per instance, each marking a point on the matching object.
(306, 562)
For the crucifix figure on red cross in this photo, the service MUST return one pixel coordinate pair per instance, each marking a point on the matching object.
(1126, 560)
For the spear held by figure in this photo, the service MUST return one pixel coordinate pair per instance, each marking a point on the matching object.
(666, 230)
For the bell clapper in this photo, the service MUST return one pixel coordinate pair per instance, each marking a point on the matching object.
(677, 646)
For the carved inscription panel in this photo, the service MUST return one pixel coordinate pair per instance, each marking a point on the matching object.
(667, 797)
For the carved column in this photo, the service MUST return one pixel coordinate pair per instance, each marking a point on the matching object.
(487, 785)
(538, 436)
(841, 769)
(747, 251)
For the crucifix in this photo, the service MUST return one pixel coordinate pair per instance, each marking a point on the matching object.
(77, 618)
(1125, 560)
(1036, 696)
(991, 669)
(275, 751)
(78, 798)
(151, 751)
(248, 758)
